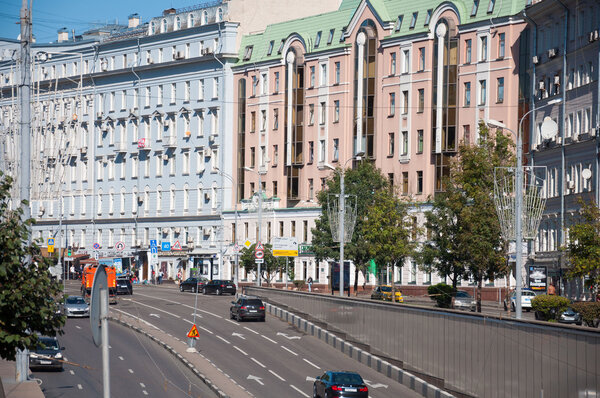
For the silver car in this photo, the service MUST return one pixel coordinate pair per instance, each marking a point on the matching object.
(464, 301)
(76, 306)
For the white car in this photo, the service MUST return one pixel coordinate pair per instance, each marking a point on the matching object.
(526, 296)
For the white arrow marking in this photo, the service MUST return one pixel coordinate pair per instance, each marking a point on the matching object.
(155, 315)
(288, 337)
(257, 379)
(308, 378)
(375, 385)
(241, 336)
(78, 327)
(197, 315)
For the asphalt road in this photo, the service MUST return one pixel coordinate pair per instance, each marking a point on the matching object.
(269, 359)
(138, 367)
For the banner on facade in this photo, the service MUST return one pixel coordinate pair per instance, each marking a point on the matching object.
(538, 277)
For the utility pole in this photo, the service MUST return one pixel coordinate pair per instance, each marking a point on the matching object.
(25, 122)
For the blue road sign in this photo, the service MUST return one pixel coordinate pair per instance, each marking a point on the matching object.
(154, 250)
(153, 243)
(165, 246)
(96, 246)
(50, 241)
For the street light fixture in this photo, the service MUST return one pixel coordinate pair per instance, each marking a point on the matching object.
(342, 215)
(237, 267)
(519, 202)
(260, 198)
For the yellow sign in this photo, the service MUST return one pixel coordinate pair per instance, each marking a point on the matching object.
(247, 243)
(193, 333)
(285, 253)
(50, 248)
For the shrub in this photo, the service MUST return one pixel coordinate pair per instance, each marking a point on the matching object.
(299, 283)
(549, 307)
(442, 294)
(590, 312)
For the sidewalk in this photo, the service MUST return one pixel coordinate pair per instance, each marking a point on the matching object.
(9, 388)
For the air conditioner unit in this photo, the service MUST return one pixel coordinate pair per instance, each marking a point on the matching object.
(42, 210)
(104, 66)
(165, 230)
(591, 36)
(535, 60)
(149, 61)
(571, 184)
(165, 157)
(557, 79)
(596, 35)
(207, 51)
(177, 230)
(542, 85)
(178, 55)
(553, 52)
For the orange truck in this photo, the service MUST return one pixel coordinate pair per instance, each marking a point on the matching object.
(87, 281)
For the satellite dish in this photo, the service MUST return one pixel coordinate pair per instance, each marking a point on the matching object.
(586, 174)
(549, 128)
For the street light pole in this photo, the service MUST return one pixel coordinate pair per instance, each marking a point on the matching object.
(237, 267)
(260, 204)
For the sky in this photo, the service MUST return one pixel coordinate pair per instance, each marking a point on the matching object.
(81, 15)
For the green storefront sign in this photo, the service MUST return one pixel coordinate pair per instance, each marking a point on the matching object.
(305, 249)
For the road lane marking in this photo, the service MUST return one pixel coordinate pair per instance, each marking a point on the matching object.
(155, 308)
(288, 350)
(196, 315)
(219, 337)
(300, 391)
(247, 328)
(240, 350)
(121, 358)
(205, 329)
(78, 327)
(257, 379)
(135, 317)
(235, 323)
(241, 336)
(142, 385)
(80, 386)
(310, 363)
(72, 373)
(260, 364)
(271, 340)
(276, 375)
(130, 371)
(184, 305)
(145, 392)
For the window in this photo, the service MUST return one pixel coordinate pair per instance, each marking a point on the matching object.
(336, 149)
(330, 38)
(276, 82)
(275, 118)
(391, 144)
(263, 120)
(321, 150)
(419, 141)
(173, 92)
(501, 42)
(421, 59)
(311, 114)
(275, 155)
(200, 89)
(405, 61)
(252, 157)
(254, 84)
(336, 111)
(428, 17)
(404, 147)
(399, 22)
(311, 189)
(159, 95)
(312, 76)
(467, 133)
(311, 151)
(252, 122)
(468, 45)
(318, 39)
(248, 52)
(413, 21)
(177, 23)
(419, 182)
(215, 87)
(483, 47)
(467, 93)
(405, 182)
(475, 7)
(281, 46)
(323, 113)
(264, 81)
(482, 92)
(500, 89)
(337, 73)
(270, 50)
(323, 76)
(392, 110)
(405, 102)
(421, 100)
(393, 64)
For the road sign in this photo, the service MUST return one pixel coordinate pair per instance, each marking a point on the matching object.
(165, 246)
(153, 243)
(259, 260)
(50, 241)
(96, 246)
(176, 246)
(154, 250)
(50, 248)
(259, 246)
(260, 254)
(100, 283)
(193, 333)
(283, 247)
(247, 243)
(96, 256)
(120, 246)
(236, 248)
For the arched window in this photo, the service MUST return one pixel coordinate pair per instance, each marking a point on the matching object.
(204, 19)
(163, 26)
(219, 15)
(177, 23)
(191, 20)
(152, 28)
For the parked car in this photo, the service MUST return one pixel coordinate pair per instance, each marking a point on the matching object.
(526, 296)
(47, 354)
(384, 292)
(247, 308)
(570, 317)
(464, 301)
(76, 306)
(219, 287)
(124, 285)
(340, 384)
(192, 284)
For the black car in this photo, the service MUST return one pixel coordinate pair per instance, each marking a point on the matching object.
(247, 308)
(219, 286)
(340, 384)
(192, 284)
(124, 286)
(47, 354)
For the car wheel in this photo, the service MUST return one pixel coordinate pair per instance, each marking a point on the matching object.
(180, 288)
(238, 317)
(203, 290)
(194, 289)
(263, 319)
(231, 315)
(219, 292)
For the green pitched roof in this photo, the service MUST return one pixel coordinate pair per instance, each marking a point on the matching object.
(388, 11)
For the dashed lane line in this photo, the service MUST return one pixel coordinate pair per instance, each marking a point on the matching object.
(310, 363)
(253, 331)
(260, 364)
(300, 391)
(240, 350)
(276, 375)
(271, 340)
(80, 386)
(219, 337)
(288, 350)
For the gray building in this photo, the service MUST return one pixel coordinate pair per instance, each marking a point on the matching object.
(564, 63)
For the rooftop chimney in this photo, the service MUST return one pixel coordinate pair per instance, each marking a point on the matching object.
(134, 20)
(63, 35)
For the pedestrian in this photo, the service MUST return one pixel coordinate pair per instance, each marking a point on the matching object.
(72, 272)
(160, 277)
(153, 277)
(551, 290)
(310, 282)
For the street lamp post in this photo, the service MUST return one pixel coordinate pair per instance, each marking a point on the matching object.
(342, 216)
(519, 204)
(237, 267)
(260, 199)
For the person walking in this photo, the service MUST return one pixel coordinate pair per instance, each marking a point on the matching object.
(160, 277)
(153, 277)
(310, 282)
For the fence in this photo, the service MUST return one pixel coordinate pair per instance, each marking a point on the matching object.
(465, 353)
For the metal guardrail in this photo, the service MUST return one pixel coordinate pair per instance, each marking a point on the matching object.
(465, 353)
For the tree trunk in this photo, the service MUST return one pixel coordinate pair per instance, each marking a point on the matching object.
(355, 281)
(479, 283)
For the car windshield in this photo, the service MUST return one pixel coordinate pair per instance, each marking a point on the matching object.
(526, 293)
(254, 302)
(346, 378)
(462, 295)
(75, 300)
(386, 288)
(47, 343)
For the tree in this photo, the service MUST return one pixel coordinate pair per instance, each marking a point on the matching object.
(29, 297)
(362, 182)
(388, 231)
(583, 250)
(269, 267)
(466, 239)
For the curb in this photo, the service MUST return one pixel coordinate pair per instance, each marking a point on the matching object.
(381, 366)
(170, 349)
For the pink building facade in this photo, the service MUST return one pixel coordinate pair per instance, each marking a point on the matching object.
(405, 84)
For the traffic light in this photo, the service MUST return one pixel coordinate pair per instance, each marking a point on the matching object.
(69, 251)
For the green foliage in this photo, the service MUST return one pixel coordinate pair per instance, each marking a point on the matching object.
(28, 294)
(269, 268)
(549, 307)
(299, 283)
(590, 312)
(442, 294)
(583, 250)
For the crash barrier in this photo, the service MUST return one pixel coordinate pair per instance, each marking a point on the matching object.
(468, 354)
